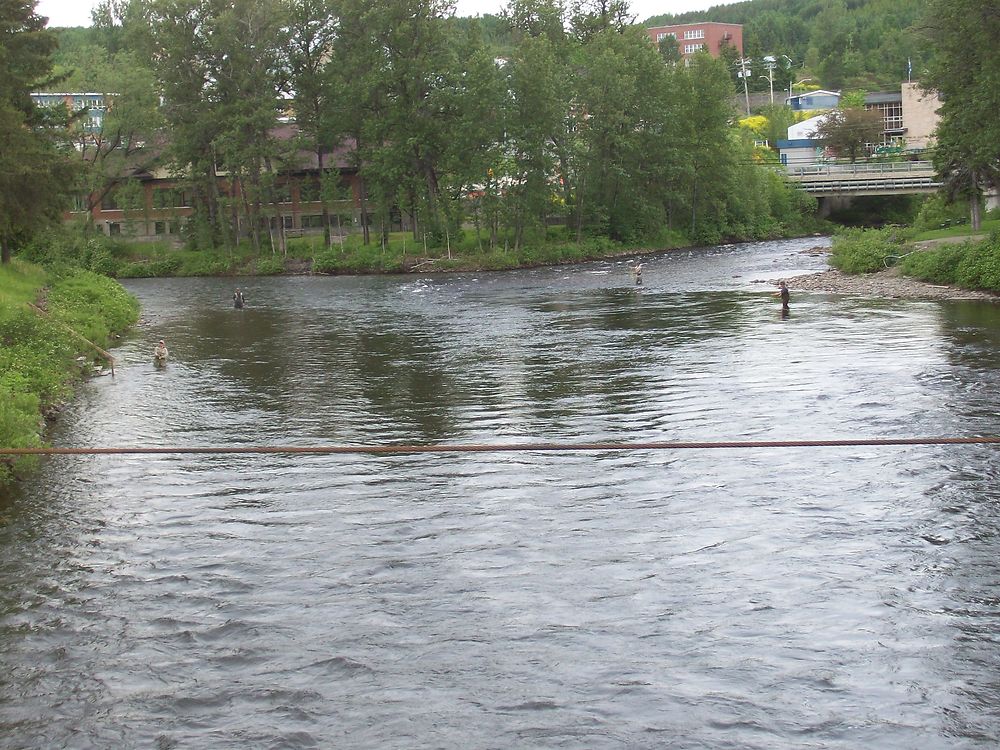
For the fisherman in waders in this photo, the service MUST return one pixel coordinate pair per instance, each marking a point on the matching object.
(238, 299)
(785, 296)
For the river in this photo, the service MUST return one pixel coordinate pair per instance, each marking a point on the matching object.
(739, 598)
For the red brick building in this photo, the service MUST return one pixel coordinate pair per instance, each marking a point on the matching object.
(694, 37)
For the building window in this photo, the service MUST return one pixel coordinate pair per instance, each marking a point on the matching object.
(169, 198)
(114, 228)
(892, 115)
(282, 194)
(664, 34)
(692, 48)
(109, 203)
(159, 227)
(694, 34)
(309, 190)
(312, 222)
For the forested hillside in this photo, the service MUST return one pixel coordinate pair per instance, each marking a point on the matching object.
(838, 44)
(864, 44)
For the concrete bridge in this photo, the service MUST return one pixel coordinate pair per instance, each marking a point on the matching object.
(836, 184)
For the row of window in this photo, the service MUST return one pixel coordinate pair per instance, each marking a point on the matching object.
(309, 191)
(690, 34)
(692, 48)
(892, 114)
(162, 228)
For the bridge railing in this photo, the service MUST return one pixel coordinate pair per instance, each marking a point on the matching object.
(862, 168)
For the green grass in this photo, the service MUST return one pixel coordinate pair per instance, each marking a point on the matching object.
(39, 351)
(962, 230)
(20, 282)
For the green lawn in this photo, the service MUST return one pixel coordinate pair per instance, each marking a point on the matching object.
(962, 230)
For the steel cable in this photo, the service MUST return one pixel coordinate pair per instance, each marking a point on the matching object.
(500, 447)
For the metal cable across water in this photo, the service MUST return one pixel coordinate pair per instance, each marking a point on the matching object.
(506, 447)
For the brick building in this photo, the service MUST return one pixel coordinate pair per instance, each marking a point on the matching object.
(694, 37)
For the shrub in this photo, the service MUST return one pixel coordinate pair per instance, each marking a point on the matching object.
(270, 265)
(938, 265)
(935, 213)
(865, 250)
(168, 266)
(979, 267)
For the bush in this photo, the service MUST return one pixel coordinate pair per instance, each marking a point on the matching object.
(937, 266)
(935, 213)
(270, 266)
(168, 266)
(979, 267)
(973, 265)
(866, 250)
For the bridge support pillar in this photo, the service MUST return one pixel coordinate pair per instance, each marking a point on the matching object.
(830, 203)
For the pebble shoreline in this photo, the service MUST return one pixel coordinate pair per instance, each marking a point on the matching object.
(884, 284)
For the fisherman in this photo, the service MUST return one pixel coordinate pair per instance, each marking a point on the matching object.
(638, 273)
(238, 299)
(160, 353)
(783, 293)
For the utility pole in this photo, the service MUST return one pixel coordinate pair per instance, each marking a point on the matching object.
(770, 63)
(744, 72)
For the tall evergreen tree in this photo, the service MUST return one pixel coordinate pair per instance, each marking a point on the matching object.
(35, 174)
(965, 70)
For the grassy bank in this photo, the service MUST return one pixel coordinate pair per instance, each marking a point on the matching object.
(950, 255)
(398, 253)
(46, 319)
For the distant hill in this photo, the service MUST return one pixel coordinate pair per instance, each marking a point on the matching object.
(840, 44)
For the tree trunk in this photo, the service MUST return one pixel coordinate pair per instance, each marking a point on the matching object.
(366, 234)
(4, 250)
(977, 218)
(327, 233)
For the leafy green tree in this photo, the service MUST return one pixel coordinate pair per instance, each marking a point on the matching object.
(965, 72)
(537, 145)
(122, 141)
(670, 49)
(847, 131)
(621, 90)
(313, 25)
(223, 72)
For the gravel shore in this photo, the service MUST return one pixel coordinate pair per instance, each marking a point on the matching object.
(884, 284)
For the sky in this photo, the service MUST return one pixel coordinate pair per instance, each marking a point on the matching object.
(77, 12)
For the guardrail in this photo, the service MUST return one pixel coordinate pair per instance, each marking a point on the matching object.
(889, 167)
(866, 178)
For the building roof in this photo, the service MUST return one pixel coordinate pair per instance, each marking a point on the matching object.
(884, 97)
(701, 23)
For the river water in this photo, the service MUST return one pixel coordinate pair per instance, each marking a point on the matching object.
(791, 598)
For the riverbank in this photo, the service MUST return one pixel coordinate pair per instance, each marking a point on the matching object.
(888, 284)
(54, 329)
(120, 258)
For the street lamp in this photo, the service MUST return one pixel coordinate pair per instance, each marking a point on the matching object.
(770, 62)
(790, 85)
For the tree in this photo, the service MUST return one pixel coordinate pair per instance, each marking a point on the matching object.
(846, 131)
(222, 70)
(670, 49)
(965, 73)
(314, 25)
(35, 175)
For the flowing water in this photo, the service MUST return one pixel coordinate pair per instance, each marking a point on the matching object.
(784, 598)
